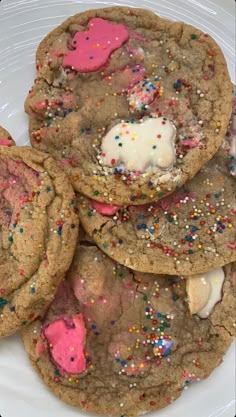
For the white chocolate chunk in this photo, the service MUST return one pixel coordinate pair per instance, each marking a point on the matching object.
(204, 291)
(139, 146)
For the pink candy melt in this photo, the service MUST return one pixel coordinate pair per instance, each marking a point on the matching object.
(67, 98)
(39, 349)
(105, 209)
(40, 105)
(93, 47)
(67, 344)
(5, 142)
(231, 245)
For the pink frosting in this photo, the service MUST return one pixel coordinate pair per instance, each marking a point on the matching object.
(93, 47)
(17, 182)
(67, 98)
(172, 200)
(67, 344)
(40, 105)
(191, 143)
(40, 349)
(231, 245)
(105, 209)
(5, 142)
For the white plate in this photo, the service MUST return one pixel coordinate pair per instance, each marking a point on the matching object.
(23, 24)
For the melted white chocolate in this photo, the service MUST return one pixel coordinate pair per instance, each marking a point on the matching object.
(139, 146)
(204, 291)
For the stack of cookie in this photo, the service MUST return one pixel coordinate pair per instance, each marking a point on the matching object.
(133, 114)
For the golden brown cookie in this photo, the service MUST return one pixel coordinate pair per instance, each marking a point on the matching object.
(132, 105)
(191, 231)
(5, 138)
(118, 342)
(38, 233)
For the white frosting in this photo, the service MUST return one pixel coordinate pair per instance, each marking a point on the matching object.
(139, 146)
(204, 291)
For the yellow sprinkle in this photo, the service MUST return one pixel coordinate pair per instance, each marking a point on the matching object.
(131, 164)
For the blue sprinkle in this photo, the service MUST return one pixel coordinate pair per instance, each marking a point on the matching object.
(167, 352)
(3, 302)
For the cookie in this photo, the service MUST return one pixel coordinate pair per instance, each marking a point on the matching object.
(132, 105)
(191, 231)
(118, 342)
(5, 138)
(38, 233)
